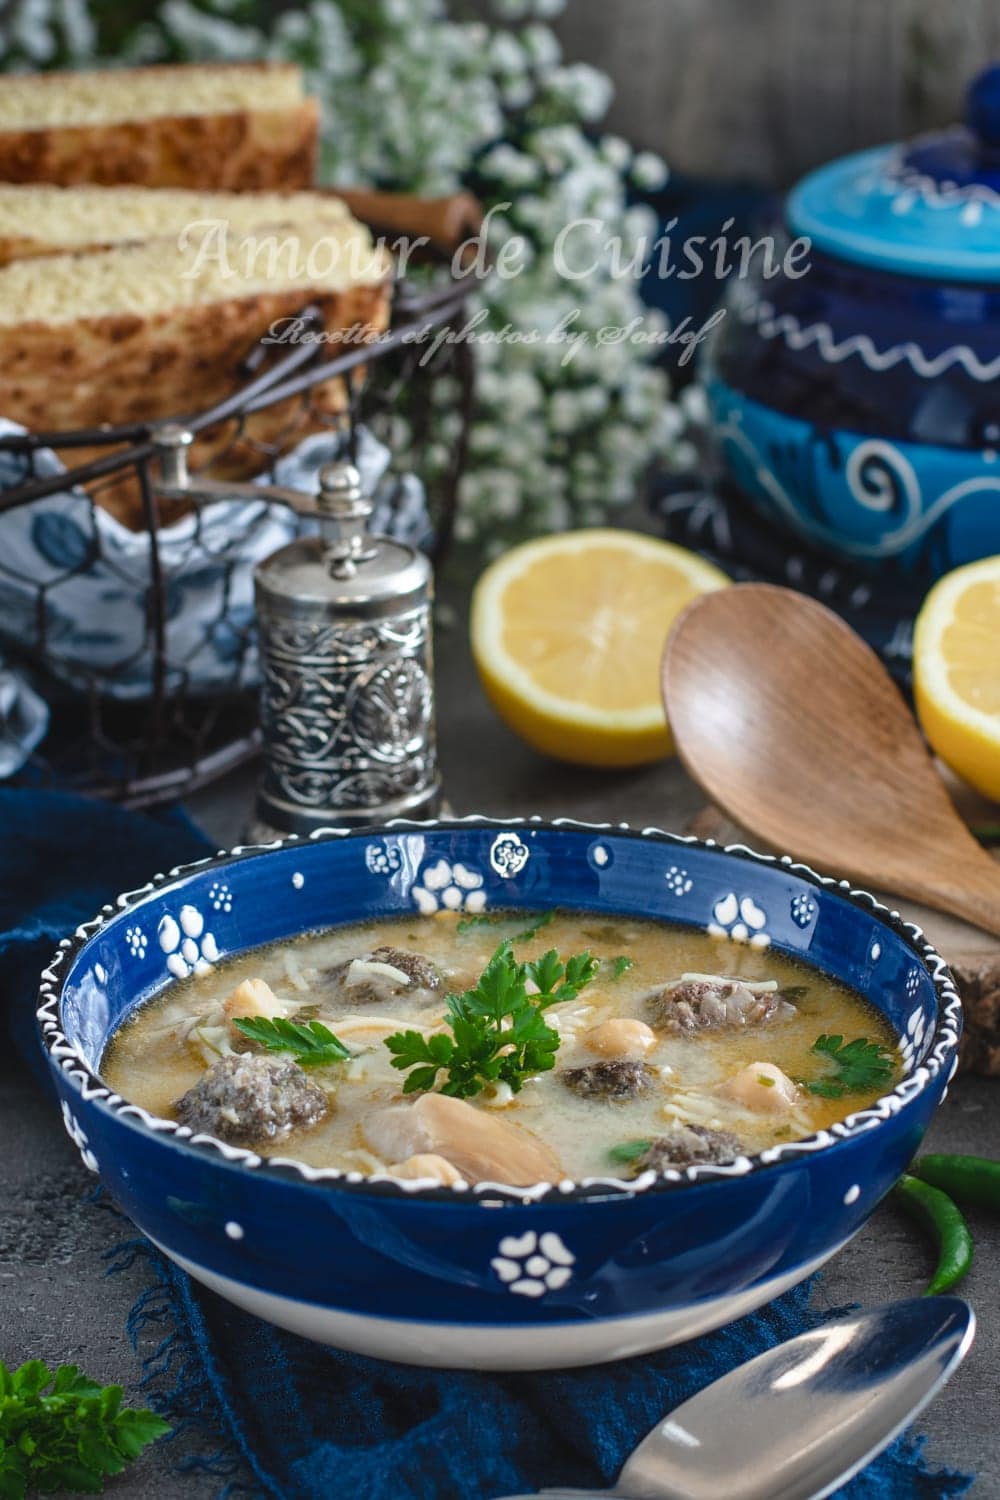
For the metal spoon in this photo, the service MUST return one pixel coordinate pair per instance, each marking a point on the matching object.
(795, 729)
(799, 1420)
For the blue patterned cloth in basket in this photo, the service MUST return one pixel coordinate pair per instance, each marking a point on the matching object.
(74, 583)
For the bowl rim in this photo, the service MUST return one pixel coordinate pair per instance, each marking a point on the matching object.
(64, 1057)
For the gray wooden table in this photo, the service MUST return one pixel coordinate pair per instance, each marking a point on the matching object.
(57, 1303)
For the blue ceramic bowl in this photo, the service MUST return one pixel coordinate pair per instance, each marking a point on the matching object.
(424, 1274)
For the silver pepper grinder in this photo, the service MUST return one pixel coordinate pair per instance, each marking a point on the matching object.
(347, 684)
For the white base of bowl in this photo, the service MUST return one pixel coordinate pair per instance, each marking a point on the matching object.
(482, 1346)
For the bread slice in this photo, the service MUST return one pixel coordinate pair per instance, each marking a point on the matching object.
(212, 125)
(145, 331)
(46, 220)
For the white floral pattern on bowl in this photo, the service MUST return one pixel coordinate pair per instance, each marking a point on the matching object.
(911, 1042)
(188, 947)
(449, 887)
(508, 855)
(382, 859)
(220, 896)
(532, 1264)
(678, 881)
(136, 940)
(79, 1139)
(803, 909)
(739, 918)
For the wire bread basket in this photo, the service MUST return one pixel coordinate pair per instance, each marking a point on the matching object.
(141, 640)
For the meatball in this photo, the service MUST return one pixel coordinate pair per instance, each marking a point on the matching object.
(615, 1078)
(250, 1097)
(422, 974)
(369, 979)
(688, 1146)
(713, 1005)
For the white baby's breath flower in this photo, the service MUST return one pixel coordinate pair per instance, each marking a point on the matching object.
(649, 171)
(583, 88)
(510, 167)
(542, 46)
(411, 99)
(616, 152)
(694, 404)
(516, 93)
(506, 53)
(564, 411)
(293, 26)
(685, 455)
(639, 225)
(78, 27)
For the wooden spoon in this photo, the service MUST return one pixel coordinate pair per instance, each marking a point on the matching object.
(794, 728)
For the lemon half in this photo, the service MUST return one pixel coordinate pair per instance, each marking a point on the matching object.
(956, 672)
(567, 634)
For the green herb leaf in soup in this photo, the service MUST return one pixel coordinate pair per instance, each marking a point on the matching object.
(860, 1066)
(311, 1043)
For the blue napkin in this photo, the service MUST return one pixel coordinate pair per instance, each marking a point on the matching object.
(284, 1418)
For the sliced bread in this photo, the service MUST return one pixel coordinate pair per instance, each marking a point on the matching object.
(46, 220)
(199, 125)
(149, 330)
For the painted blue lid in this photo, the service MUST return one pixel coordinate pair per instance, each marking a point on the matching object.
(930, 208)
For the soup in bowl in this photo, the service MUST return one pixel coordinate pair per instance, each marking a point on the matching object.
(507, 1095)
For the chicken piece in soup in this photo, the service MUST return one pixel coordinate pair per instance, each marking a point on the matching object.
(454, 1052)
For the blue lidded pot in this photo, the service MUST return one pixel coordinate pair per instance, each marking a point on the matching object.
(859, 403)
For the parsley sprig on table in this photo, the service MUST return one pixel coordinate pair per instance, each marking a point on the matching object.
(498, 1030)
(311, 1043)
(62, 1431)
(860, 1065)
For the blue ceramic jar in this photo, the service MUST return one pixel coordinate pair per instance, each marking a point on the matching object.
(859, 403)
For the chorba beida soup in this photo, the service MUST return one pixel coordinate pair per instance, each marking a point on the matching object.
(513, 1048)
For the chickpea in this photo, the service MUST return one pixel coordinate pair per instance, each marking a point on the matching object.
(621, 1037)
(255, 998)
(428, 1164)
(763, 1087)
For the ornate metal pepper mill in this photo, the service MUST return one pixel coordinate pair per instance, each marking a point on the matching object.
(347, 696)
(347, 682)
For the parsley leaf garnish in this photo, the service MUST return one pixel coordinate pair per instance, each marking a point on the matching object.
(860, 1065)
(498, 1031)
(63, 1431)
(499, 919)
(534, 927)
(629, 1151)
(312, 1044)
(619, 966)
(481, 919)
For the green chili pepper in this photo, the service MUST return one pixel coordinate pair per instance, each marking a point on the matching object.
(940, 1216)
(971, 1179)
